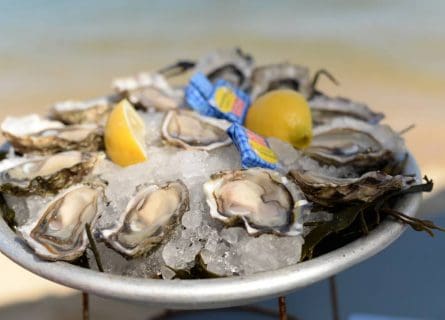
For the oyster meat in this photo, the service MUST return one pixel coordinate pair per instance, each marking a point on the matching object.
(234, 66)
(45, 175)
(346, 141)
(325, 109)
(59, 231)
(148, 218)
(190, 130)
(33, 134)
(330, 191)
(280, 76)
(81, 112)
(264, 200)
(149, 91)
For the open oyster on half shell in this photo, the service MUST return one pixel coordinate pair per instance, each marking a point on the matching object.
(33, 134)
(45, 175)
(149, 91)
(148, 218)
(347, 141)
(190, 130)
(330, 191)
(264, 200)
(81, 112)
(234, 66)
(280, 76)
(58, 232)
(325, 109)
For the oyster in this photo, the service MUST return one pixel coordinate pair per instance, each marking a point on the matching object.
(264, 200)
(190, 130)
(280, 76)
(33, 134)
(232, 65)
(43, 175)
(80, 112)
(148, 218)
(325, 109)
(149, 91)
(330, 191)
(346, 141)
(59, 233)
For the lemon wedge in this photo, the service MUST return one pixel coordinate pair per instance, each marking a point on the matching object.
(283, 114)
(124, 135)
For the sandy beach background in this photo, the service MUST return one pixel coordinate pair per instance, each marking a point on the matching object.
(390, 54)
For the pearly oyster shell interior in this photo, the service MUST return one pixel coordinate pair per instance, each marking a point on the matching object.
(33, 134)
(347, 141)
(189, 130)
(59, 231)
(43, 175)
(148, 218)
(264, 200)
(325, 109)
(82, 112)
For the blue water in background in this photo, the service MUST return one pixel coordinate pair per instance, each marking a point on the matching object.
(407, 32)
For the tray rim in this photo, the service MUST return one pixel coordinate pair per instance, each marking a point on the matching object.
(214, 293)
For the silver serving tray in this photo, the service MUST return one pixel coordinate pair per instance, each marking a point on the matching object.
(214, 293)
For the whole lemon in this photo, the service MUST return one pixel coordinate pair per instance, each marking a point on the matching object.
(283, 114)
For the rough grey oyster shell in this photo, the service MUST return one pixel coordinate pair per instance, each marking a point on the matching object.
(263, 200)
(346, 141)
(33, 134)
(280, 76)
(232, 65)
(81, 112)
(325, 109)
(331, 191)
(149, 91)
(45, 175)
(189, 130)
(148, 218)
(59, 232)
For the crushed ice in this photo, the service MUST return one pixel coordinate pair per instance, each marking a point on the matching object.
(199, 241)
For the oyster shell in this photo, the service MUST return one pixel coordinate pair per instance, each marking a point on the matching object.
(148, 218)
(149, 91)
(325, 109)
(59, 231)
(264, 200)
(280, 76)
(81, 112)
(232, 65)
(43, 175)
(190, 130)
(330, 191)
(346, 141)
(33, 134)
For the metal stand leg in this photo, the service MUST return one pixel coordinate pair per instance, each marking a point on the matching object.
(334, 298)
(282, 308)
(85, 306)
(282, 314)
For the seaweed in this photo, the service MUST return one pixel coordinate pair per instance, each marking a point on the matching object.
(355, 220)
(177, 68)
(94, 247)
(316, 78)
(7, 213)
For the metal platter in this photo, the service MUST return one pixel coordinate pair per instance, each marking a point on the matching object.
(214, 293)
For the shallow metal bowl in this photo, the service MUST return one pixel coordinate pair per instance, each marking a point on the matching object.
(215, 293)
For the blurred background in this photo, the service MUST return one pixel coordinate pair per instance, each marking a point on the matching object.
(390, 54)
